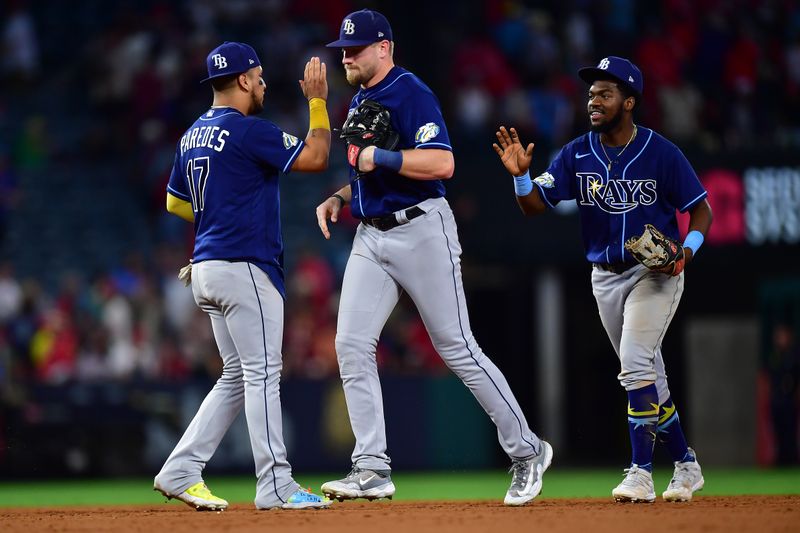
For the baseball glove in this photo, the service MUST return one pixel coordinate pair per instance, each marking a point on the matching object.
(368, 125)
(656, 251)
(185, 274)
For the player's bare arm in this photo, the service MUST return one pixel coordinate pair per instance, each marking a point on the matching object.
(700, 218)
(314, 157)
(517, 161)
(330, 208)
(421, 164)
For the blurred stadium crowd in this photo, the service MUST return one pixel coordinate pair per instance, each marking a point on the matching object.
(98, 93)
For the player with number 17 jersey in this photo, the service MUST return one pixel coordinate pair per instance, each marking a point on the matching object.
(227, 166)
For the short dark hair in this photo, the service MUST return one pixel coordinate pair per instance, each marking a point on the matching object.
(223, 83)
(626, 90)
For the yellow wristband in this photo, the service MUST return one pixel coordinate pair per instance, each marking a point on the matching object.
(318, 115)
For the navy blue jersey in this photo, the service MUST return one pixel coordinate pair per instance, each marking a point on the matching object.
(417, 117)
(227, 166)
(646, 183)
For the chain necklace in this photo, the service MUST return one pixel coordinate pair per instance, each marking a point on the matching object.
(633, 136)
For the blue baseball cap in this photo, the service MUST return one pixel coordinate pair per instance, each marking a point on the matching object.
(361, 28)
(230, 58)
(617, 68)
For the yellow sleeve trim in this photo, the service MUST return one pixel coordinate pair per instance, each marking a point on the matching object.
(179, 207)
(318, 115)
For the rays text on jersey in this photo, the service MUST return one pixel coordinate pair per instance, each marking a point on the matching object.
(615, 196)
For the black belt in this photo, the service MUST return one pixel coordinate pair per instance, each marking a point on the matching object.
(616, 268)
(385, 223)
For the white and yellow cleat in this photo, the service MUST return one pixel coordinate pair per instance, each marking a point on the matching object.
(197, 497)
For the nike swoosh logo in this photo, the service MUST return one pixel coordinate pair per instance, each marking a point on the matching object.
(580, 156)
(366, 480)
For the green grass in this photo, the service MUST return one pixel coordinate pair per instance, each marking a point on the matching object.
(411, 486)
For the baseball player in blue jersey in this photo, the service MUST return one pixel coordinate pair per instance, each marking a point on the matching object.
(225, 180)
(407, 241)
(624, 176)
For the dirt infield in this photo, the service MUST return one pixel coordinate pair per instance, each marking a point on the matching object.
(742, 513)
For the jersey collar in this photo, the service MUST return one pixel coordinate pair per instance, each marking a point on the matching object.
(394, 73)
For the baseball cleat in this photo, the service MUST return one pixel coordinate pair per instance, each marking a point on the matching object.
(686, 480)
(197, 497)
(360, 483)
(637, 487)
(526, 482)
(305, 499)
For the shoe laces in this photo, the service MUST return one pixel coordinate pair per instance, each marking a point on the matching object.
(684, 474)
(635, 476)
(201, 490)
(354, 472)
(519, 469)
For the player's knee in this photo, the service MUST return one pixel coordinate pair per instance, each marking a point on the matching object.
(632, 379)
(352, 352)
(458, 354)
(232, 372)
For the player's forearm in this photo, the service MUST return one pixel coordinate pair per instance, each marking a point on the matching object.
(700, 217)
(427, 164)
(531, 204)
(314, 157)
(346, 193)
(180, 208)
(319, 131)
(318, 144)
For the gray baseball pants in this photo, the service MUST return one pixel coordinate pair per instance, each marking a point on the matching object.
(421, 257)
(246, 314)
(636, 308)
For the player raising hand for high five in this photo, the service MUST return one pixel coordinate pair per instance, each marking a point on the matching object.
(225, 179)
(626, 180)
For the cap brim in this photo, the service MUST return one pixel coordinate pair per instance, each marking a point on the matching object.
(222, 75)
(592, 74)
(345, 43)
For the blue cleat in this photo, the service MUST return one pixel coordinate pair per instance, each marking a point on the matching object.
(305, 499)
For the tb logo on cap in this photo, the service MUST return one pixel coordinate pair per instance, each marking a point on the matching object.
(348, 27)
(220, 61)
(604, 64)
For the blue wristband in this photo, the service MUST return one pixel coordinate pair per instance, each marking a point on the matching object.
(523, 184)
(388, 159)
(694, 240)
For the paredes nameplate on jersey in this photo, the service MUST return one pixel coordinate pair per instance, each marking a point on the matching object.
(204, 137)
(615, 196)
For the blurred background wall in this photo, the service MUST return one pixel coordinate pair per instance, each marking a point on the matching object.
(104, 357)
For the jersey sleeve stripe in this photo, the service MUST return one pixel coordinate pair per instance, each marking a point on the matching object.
(434, 145)
(296, 153)
(177, 194)
(544, 196)
(697, 199)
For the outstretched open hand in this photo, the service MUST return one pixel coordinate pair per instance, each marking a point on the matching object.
(315, 80)
(514, 157)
